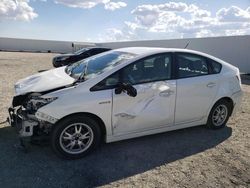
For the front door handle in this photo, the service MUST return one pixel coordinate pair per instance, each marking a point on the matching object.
(166, 93)
(211, 84)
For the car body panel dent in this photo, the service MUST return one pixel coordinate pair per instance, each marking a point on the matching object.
(148, 109)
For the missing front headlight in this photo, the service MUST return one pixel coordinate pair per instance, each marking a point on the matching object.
(35, 103)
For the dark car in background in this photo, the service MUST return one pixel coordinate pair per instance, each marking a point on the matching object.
(67, 59)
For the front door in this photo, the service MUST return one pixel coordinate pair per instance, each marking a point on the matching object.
(154, 105)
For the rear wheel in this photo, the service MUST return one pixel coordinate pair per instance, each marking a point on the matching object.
(219, 114)
(75, 136)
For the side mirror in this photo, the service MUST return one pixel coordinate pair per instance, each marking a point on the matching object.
(130, 90)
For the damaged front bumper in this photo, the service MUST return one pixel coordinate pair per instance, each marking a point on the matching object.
(19, 120)
(24, 115)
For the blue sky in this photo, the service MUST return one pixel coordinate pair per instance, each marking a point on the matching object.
(111, 20)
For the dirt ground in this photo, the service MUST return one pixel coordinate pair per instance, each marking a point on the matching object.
(193, 157)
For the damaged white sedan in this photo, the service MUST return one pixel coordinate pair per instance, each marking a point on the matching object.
(122, 94)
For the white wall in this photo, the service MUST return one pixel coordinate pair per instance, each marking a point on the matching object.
(11, 44)
(233, 49)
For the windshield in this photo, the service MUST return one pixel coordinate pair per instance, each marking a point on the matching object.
(93, 66)
(81, 50)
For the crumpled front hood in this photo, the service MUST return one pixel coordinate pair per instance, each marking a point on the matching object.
(43, 81)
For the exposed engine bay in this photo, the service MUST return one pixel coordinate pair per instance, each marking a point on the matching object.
(24, 117)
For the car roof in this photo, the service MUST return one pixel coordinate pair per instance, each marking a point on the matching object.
(145, 51)
(96, 47)
(151, 50)
(142, 51)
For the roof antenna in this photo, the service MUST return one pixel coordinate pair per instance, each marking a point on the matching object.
(186, 45)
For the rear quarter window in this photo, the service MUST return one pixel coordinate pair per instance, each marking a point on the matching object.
(215, 66)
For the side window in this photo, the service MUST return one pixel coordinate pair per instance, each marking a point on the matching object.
(96, 51)
(85, 54)
(154, 68)
(102, 50)
(108, 83)
(92, 52)
(151, 69)
(216, 67)
(190, 65)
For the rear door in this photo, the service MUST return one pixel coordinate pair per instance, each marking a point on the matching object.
(196, 88)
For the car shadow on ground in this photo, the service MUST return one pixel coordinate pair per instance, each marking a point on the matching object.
(42, 70)
(109, 163)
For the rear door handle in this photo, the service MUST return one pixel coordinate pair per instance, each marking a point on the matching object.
(211, 84)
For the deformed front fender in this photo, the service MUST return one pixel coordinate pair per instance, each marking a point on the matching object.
(97, 103)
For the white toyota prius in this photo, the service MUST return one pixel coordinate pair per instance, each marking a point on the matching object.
(122, 94)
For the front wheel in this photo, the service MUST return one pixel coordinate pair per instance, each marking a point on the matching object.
(219, 115)
(75, 136)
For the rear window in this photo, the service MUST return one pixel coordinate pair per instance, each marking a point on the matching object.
(216, 67)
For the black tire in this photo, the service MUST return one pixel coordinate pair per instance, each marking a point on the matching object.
(221, 103)
(57, 133)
